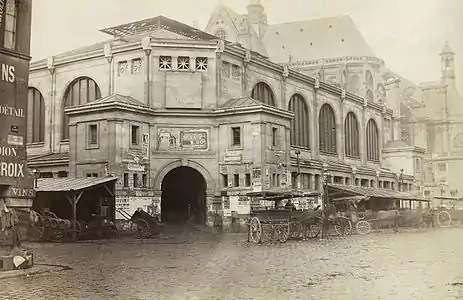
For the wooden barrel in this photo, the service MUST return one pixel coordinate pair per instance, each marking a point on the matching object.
(64, 224)
(54, 222)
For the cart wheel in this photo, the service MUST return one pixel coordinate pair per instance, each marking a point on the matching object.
(343, 226)
(312, 230)
(143, 228)
(363, 227)
(255, 230)
(38, 228)
(444, 219)
(283, 234)
(295, 230)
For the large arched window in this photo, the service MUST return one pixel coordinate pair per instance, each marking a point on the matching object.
(372, 141)
(263, 93)
(353, 84)
(300, 123)
(369, 79)
(369, 96)
(81, 91)
(327, 129)
(351, 132)
(35, 117)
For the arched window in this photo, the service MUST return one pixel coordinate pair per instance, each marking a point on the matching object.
(327, 129)
(369, 79)
(353, 84)
(81, 91)
(300, 123)
(263, 93)
(372, 141)
(352, 139)
(369, 96)
(35, 117)
(11, 14)
(221, 34)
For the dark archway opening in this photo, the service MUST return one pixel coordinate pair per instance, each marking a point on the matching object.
(183, 197)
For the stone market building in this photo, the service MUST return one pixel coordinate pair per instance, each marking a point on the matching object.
(190, 122)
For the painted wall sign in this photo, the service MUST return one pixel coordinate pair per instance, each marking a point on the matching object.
(15, 192)
(182, 139)
(146, 145)
(14, 77)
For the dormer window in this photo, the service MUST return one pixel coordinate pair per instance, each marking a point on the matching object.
(183, 63)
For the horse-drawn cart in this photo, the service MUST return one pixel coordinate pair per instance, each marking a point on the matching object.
(271, 221)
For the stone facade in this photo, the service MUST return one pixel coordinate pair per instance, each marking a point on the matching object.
(178, 100)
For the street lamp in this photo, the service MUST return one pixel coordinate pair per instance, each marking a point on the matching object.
(401, 179)
(298, 185)
(326, 176)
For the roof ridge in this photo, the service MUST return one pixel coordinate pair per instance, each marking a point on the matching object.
(314, 19)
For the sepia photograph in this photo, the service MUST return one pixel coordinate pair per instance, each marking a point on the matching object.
(231, 149)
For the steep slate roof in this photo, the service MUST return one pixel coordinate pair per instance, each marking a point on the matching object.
(315, 39)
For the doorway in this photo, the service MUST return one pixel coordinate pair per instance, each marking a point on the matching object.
(183, 197)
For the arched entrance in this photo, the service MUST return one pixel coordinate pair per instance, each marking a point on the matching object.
(183, 196)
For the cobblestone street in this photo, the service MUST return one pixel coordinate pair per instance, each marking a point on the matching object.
(406, 265)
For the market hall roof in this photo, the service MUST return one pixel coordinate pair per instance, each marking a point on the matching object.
(370, 192)
(153, 24)
(70, 184)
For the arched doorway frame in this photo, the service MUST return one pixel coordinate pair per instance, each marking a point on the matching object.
(158, 179)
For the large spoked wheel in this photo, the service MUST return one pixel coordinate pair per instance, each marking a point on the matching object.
(444, 219)
(363, 227)
(255, 230)
(143, 228)
(38, 227)
(295, 230)
(283, 234)
(312, 231)
(343, 226)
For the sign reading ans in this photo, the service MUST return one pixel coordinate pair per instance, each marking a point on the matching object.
(182, 139)
(14, 76)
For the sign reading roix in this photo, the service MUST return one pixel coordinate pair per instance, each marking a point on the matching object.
(14, 72)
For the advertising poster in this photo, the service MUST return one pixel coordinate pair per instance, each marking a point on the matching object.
(14, 73)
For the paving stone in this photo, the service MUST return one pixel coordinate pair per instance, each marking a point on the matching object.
(406, 265)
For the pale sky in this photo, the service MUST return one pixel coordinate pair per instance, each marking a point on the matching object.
(407, 34)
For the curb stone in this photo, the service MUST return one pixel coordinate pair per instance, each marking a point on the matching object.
(37, 269)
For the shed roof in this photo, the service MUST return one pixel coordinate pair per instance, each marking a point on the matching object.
(369, 192)
(69, 184)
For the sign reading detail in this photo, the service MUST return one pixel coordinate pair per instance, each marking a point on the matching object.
(182, 139)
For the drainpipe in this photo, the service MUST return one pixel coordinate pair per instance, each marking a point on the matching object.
(146, 45)
(51, 69)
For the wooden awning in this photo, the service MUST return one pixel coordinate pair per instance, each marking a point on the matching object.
(336, 191)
